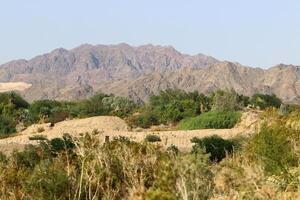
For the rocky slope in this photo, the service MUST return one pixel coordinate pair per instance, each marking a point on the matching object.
(138, 72)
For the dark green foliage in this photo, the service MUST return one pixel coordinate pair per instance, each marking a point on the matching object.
(58, 115)
(3, 158)
(217, 119)
(174, 105)
(60, 144)
(42, 109)
(143, 120)
(273, 148)
(12, 98)
(264, 101)
(152, 138)
(28, 158)
(51, 181)
(100, 104)
(170, 106)
(173, 149)
(11, 111)
(119, 106)
(38, 137)
(215, 146)
(7, 125)
(91, 107)
(228, 100)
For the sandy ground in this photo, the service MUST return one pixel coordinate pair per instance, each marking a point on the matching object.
(14, 86)
(114, 126)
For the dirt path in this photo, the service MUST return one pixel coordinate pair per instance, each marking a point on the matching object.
(114, 126)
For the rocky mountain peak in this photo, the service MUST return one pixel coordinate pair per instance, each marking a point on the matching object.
(140, 71)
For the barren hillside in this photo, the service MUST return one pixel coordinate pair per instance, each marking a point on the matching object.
(138, 72)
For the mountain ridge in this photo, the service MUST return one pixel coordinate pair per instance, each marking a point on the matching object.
(141, 71)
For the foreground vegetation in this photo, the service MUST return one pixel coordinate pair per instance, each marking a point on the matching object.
(262, 166)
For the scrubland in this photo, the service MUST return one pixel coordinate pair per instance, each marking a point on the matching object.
(250, 149)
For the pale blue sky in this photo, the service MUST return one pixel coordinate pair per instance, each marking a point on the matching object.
(253, 32)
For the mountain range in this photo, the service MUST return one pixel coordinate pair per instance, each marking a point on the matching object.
(138, 72)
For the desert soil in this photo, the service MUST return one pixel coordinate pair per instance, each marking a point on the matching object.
(114, 126)
(14, 86)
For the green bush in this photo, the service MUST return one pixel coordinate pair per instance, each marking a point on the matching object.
(217, 119)
(37, 137)
(228, 100)
(152, 138)
(173, 149)
(14, 99)
(119, 106)
(174, 105)
(42, 109)
(60, 144)
(264, 101)
(3, 158)
(7, 125)
(58, 116)
(28, 158)
(272, 147)
(47, 181)
(215, 146)
(144, 120)
(183, 177)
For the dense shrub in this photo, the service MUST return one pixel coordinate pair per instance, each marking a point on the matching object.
(217, 119)
(28, 158)
(7, 125)
(264, 101)
(91, 107)
(183, 177)
(119, 169)
(3, 158)
(42, 109)
(173, 149)
(57, 145)
(174, 105)
(14, 99)
(215, 146)
(37, 137)
(273, 148)
(152, 138)
(51, 181)
(143, 120)
(169, 107)
(119, 106)
(228, 100)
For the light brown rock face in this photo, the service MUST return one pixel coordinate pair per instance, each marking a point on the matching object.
(138, 72)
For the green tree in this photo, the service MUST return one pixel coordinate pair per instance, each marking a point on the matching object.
(264, 101)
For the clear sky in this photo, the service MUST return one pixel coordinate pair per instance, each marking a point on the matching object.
(258, 33)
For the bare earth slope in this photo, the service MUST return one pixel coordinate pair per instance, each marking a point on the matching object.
(15, 86)
(138, 72)
(114, 126)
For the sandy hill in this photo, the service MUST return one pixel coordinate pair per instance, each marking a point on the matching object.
(114, 127)
(14, 86)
